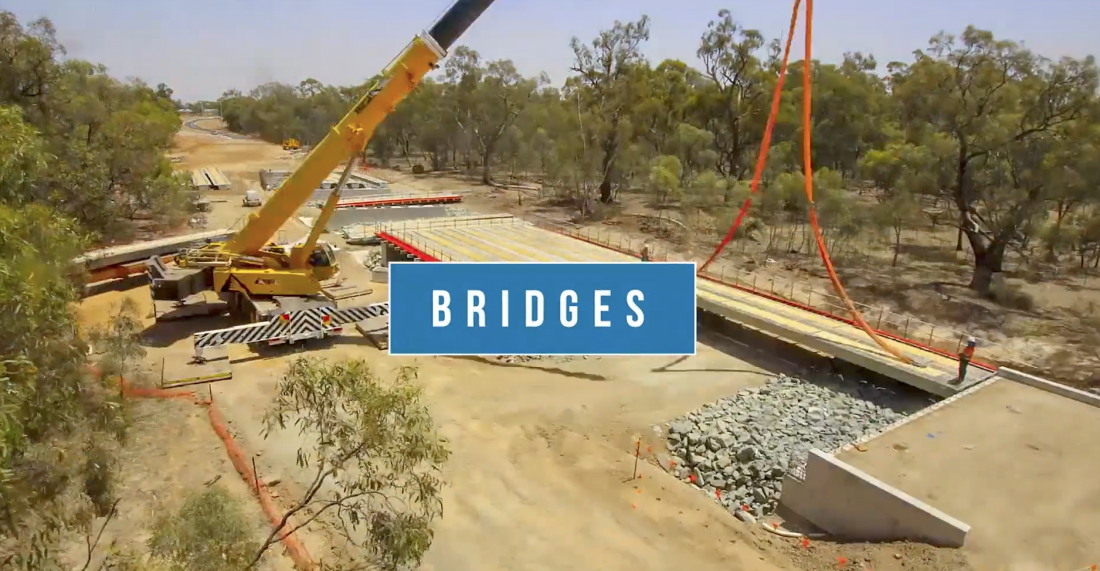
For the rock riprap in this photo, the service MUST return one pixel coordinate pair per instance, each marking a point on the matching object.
(746, 443)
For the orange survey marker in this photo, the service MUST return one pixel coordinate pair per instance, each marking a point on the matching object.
(637, 452)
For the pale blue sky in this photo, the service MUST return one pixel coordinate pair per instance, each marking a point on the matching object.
(202, 47)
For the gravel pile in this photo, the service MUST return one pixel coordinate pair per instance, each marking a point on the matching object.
(745, 444)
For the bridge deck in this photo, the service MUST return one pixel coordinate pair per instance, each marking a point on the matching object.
(513, 240)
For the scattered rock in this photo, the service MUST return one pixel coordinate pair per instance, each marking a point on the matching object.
(518, 358)
(679, 428)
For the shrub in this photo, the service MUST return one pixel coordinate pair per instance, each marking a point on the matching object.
(210, 533)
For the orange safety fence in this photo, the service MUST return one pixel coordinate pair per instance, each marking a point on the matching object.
(237, 456)
(807, 163)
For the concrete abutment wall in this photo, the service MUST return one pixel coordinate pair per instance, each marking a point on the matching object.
(848, 503)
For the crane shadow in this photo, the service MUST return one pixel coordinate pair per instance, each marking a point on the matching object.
(667, 368)
(165, 333)
(551, 370)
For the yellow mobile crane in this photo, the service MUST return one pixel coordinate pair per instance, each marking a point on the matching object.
(281, 284)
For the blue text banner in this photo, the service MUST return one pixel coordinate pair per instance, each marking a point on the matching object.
(456, 308)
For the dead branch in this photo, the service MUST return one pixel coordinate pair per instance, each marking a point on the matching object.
(93, 544)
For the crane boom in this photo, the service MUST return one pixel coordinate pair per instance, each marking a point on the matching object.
(350, 135)
(248, 266)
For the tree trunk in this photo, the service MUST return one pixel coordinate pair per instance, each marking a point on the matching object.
(987, 262)
(987, 257)
(605, 190)
(486, 171)
(487, 162)
(610, 148)
(897, 247)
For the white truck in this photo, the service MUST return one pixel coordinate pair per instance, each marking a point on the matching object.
(252, 198)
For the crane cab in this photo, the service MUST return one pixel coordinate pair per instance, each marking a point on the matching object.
(323, 256)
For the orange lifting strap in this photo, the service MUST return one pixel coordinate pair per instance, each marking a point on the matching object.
(807, 165)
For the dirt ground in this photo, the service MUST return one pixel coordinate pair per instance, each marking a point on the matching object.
(1016, 463)
(542, 459)
(539, 476)
(238, 158)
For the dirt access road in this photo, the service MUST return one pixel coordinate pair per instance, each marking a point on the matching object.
(542, 450)
(239, 158)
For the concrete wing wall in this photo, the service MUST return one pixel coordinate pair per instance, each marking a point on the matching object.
(848, 503)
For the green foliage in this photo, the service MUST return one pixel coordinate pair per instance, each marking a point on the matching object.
(376, 456)
(103, 139)
(22, 155)
(664, 178)
(209, 533)
(81, 154)
(898, 211)
(734, 103)
(1011, 115)
(974, 128)
(118, 343)
(58, 424)
(487, 100)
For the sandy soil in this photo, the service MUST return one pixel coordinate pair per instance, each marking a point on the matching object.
(541, 455)
(539, 478)
(1016, 463)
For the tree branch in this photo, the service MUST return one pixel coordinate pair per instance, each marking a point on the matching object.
(88, 540)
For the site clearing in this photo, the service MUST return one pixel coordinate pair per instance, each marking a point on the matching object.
(239, 359)
(543, 448)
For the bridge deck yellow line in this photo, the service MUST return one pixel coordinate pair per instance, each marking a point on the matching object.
(498, 241)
